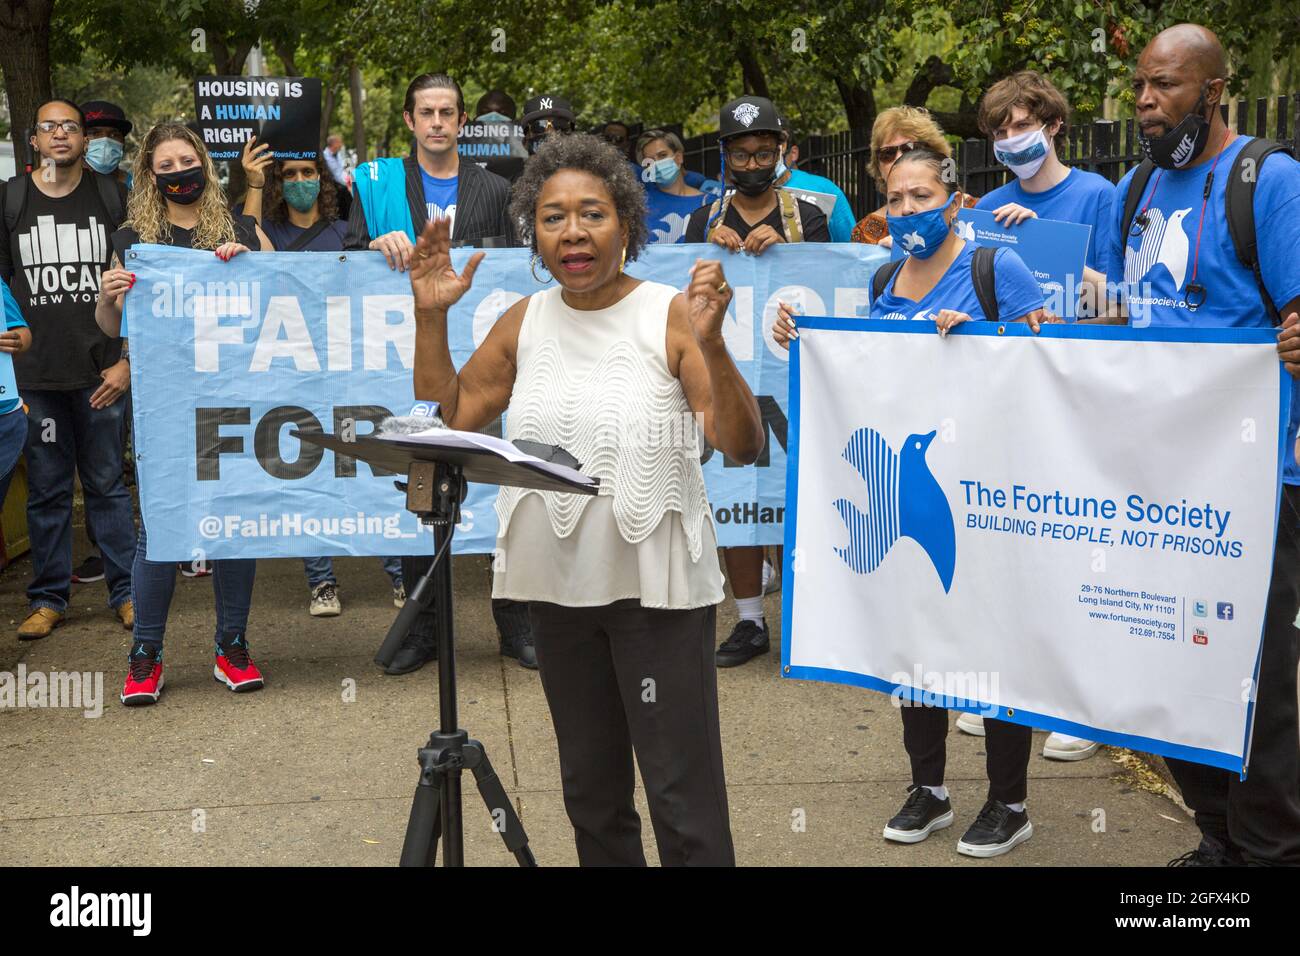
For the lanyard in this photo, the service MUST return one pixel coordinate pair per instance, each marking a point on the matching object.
(1194, 294)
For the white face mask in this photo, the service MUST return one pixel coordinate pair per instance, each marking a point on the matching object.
(1025, 154)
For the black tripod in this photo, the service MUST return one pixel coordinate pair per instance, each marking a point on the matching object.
(434, 492)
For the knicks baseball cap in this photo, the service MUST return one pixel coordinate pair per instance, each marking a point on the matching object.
(749, 114)
(104, 113)
(548, 107)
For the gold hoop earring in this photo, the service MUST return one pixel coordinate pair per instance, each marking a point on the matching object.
(532, 267)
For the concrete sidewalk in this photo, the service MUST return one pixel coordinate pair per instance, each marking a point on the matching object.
(296, 775)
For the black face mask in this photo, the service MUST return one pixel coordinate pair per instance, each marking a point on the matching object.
(753, 182)
(1182, 144)
(183, 187)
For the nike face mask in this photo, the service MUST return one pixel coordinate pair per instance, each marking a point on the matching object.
(1182, 144)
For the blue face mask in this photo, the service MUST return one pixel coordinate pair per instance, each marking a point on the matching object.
(104, 154)
(920, 234)
(301, 193)
(666, 170)
(781, 168)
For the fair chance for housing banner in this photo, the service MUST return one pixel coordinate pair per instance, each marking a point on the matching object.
(229, 358)
(1072, 531)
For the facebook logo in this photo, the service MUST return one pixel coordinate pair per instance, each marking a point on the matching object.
(1224, 611)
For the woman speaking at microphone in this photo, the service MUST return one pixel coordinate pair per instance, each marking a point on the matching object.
(623, 585)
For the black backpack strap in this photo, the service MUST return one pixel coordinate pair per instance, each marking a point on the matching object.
(15, 202)
(1239, 197)
(110, 196)
(1136, 187)
(307, 235)
(882, 277)
(985, 280)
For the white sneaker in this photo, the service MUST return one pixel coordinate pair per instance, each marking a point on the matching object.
(972, 724)
(1065, 747)
(399, 596)
(325, 600)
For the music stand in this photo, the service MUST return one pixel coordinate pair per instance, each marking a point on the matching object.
(435, 487)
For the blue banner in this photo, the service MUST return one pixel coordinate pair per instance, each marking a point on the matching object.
(229, 358)
(1054, 252)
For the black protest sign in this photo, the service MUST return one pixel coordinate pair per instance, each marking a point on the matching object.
(497, 146)
(281, 110)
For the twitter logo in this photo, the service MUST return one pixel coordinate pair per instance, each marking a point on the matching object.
(903, 501)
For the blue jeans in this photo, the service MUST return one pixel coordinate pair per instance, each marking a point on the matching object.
(67, 437)
(13, 437)
(154, 582)
(320, 570)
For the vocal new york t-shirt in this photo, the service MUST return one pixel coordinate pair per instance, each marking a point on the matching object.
(56, 251)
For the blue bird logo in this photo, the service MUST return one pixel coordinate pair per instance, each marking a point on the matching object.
(903, 501)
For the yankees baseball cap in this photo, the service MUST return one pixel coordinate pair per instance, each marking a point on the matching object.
(104, 113)
(548, 107)
(749, 114)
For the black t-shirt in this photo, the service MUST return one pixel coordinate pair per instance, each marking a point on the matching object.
(52, 259)
(245, 232)
(815, 228)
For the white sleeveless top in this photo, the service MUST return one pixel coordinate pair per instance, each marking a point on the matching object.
(597, 384)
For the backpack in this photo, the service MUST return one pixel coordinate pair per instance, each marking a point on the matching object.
(790, 218)
(110, 197)
(1239, 198)
(981, 274)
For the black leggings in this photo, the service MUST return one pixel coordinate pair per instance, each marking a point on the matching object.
(925, 733)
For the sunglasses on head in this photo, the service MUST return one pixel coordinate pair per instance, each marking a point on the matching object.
(887, 154)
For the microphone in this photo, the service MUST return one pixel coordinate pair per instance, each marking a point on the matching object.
(408, 424)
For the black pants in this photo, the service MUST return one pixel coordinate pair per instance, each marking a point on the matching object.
(1260, 816)
(622, 680)
(511, 616)
(1007, 746)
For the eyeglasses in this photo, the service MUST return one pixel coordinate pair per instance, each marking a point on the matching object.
(68, 126)
(615, 139)
(887, 154)
(764, 157)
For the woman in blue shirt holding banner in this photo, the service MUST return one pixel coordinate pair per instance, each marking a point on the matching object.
(937, 282)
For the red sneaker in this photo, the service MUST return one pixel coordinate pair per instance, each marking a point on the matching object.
(235, 668)
(144, 676)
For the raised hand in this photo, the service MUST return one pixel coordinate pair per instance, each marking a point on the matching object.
(434, 283)
(708, 296)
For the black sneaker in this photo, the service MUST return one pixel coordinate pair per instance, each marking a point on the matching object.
(520, 647)
(415, 652)
(995, 831)
(922, 813)
(1211, 852)
(90, 571)
(747, 641)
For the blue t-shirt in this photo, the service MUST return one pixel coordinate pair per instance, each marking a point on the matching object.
(283, 234)
(1081, 197)
(439, 197)
(666, 214)
(13, 320)
(841, 221)
(1017, 289)
(1157, 265)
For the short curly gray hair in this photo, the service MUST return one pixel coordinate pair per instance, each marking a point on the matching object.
(589, 154)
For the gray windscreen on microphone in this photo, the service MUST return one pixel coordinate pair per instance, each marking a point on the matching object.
(408, 424)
